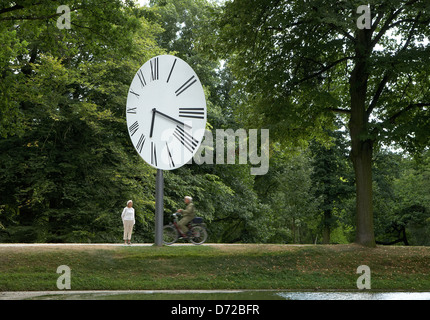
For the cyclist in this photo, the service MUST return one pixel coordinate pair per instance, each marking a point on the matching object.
(187, 215)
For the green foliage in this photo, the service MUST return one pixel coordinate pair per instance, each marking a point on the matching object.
(333, 182)
(67, 166)
(285, 194)
(402, 207)
(69, 169)
(301, 66)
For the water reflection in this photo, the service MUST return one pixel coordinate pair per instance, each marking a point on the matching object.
(355, 295)
(217, 295)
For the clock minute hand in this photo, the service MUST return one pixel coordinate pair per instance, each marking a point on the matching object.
(170, 118)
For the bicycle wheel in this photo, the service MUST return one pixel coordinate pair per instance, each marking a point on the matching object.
(199, 235)
(170, 234)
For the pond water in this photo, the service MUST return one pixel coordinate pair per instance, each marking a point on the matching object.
(238, 295)
(355, 295)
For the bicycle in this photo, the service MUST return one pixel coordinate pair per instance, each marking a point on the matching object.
(172, 233)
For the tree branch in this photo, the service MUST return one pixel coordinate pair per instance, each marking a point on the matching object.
(344, 32)
(411, 32)
(15, 7)
(388, 74)
(33, 17)
(377, 20)
(400, 22)
(393, 118)
(378, 93)
(285, 28)
(385, 27)
(322, 70)
(30, 17)
(388, 23)
(18, 7)
(339, 110)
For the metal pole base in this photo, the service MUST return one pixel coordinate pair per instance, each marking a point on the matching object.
(159, 208)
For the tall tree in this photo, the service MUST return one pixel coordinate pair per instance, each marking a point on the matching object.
(301, 64)
(286, 189)
(66, 164)
(331, 178)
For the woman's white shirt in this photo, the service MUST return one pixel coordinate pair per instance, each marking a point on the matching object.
(127, 214)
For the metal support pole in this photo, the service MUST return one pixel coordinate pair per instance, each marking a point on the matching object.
(159, 208)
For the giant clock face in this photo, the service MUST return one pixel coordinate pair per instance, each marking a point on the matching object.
(166, 112)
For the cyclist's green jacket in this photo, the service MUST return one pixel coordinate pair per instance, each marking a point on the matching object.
(189, 211)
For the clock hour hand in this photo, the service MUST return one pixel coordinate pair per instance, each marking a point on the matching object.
(154, 111)
(152, 122)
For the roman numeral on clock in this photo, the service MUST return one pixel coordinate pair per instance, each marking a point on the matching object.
(136, 94)
(171, 163)
(153, 154)
(141, 78)
(195, 113)
(131, 110)
(133, 128)
(186, 85)
(171, 70)
(185, 138)
(154, 69)
(140, 143)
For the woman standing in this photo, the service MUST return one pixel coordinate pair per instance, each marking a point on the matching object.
(127, 217)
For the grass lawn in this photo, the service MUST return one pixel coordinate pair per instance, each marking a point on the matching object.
(311, 267)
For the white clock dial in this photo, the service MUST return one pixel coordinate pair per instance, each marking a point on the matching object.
(166, 112)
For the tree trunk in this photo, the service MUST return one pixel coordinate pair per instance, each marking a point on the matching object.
(361, 144)
(326, 227)
(405, 239)
(293, 227)
(362, 161)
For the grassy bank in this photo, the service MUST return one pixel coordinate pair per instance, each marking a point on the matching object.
(215, 267)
